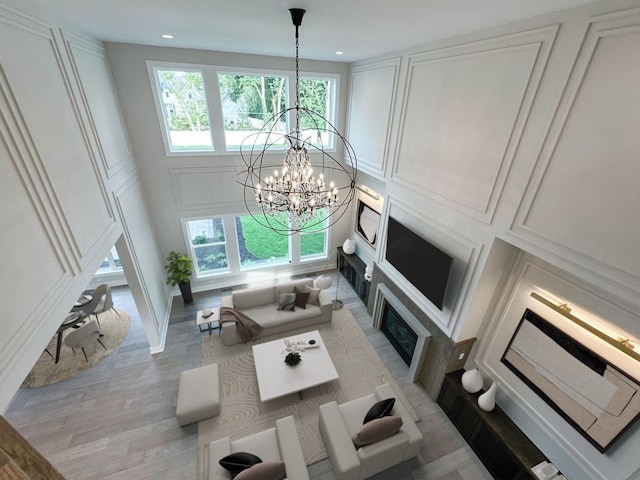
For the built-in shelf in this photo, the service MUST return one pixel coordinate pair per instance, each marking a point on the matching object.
(501, 446)
(352, 268)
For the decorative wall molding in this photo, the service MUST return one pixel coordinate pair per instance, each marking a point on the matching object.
(133, 185)
(476, 167)
(113, 159)
(465, 252)
(370, 132)
(200, 187)
(579, 218)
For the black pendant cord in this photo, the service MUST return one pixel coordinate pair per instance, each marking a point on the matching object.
(296, 18)
(297, 91)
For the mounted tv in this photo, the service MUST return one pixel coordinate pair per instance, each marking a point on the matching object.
(421, 263)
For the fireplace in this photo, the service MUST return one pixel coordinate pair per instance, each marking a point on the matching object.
(399, 333)
(405, 332)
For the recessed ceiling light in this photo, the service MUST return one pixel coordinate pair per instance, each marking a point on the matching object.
(167, 36)
(339, 53)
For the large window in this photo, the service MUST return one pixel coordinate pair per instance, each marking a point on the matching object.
(184, 108)
(317, 95)
(203, 105)
(249, 103)
(111, 263)
(208, 245)
(259, 246)
(313, 245)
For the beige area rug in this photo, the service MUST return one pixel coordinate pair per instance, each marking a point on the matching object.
(242, 413)
(45, 372)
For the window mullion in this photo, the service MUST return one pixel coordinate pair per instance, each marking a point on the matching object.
(214, 105)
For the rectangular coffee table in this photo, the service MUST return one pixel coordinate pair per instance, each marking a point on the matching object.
(277, 379)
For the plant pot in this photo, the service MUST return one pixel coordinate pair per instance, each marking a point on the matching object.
(292, 359)
(185, 290)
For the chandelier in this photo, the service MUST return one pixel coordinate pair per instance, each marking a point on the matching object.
(310, 190)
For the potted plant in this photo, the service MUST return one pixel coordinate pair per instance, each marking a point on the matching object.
(179, 271)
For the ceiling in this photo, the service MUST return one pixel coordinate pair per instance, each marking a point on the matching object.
(359, 28)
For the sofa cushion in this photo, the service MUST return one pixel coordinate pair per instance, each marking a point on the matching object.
(253, 297)
(376, 430)
(287, 302)
(301, 298)
(289, 287)
(239, 461)
(314, 293)
(263, 471)
(380, 409)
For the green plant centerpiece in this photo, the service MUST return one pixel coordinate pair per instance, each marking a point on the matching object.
(293, 350)
(292, 359)
(179, 272)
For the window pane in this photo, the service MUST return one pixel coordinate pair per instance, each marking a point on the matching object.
(210, 230)
(211, 257)
(116, 257)
(208, 245)
(259, 245)
(185, 109)
(313, 244)
(249, 102)
(316, 95)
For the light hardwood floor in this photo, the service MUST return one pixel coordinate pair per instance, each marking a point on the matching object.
(117, 419)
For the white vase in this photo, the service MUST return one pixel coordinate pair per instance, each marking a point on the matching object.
(349, 246)
(487, 401)
(472, 380)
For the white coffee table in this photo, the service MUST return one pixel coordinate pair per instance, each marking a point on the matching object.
(277, 379)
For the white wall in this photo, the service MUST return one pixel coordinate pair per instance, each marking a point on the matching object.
(64, 154)
(174, 183)
(518, 139)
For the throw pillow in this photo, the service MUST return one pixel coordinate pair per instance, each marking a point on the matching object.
(377, 430)
(287, 301)
(239, 461)
(263, 471)
(380, 409)
(302, 298)
(314, 293)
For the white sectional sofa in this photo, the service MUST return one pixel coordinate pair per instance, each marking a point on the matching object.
(261, 305)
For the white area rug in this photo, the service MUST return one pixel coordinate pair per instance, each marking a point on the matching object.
(242, 413)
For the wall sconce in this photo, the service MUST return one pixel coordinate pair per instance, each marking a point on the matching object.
(621, 340)
(366, 190)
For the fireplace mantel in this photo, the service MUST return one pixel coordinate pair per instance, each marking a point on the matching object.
(383, 294)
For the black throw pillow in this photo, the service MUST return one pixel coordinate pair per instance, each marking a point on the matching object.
(380, 409)
(239, 461)
(301, 298)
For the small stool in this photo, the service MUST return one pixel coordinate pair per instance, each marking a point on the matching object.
(198, 394)
(212, 321)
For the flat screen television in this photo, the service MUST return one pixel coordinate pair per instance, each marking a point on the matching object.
(421, 263)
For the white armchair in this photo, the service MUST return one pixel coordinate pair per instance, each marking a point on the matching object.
(339, 423)
(280, 443)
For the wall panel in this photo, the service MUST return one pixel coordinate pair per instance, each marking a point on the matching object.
(105, 118)
(464, 110)
(371, 104)
(47, 106)
(197, 187)
(586, 179)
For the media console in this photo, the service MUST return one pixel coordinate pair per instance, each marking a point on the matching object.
(501, 446)
(352, 268)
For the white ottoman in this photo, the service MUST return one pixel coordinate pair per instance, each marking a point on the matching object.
(198, 394)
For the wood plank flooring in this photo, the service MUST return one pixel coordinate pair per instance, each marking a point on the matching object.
(117, 419)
